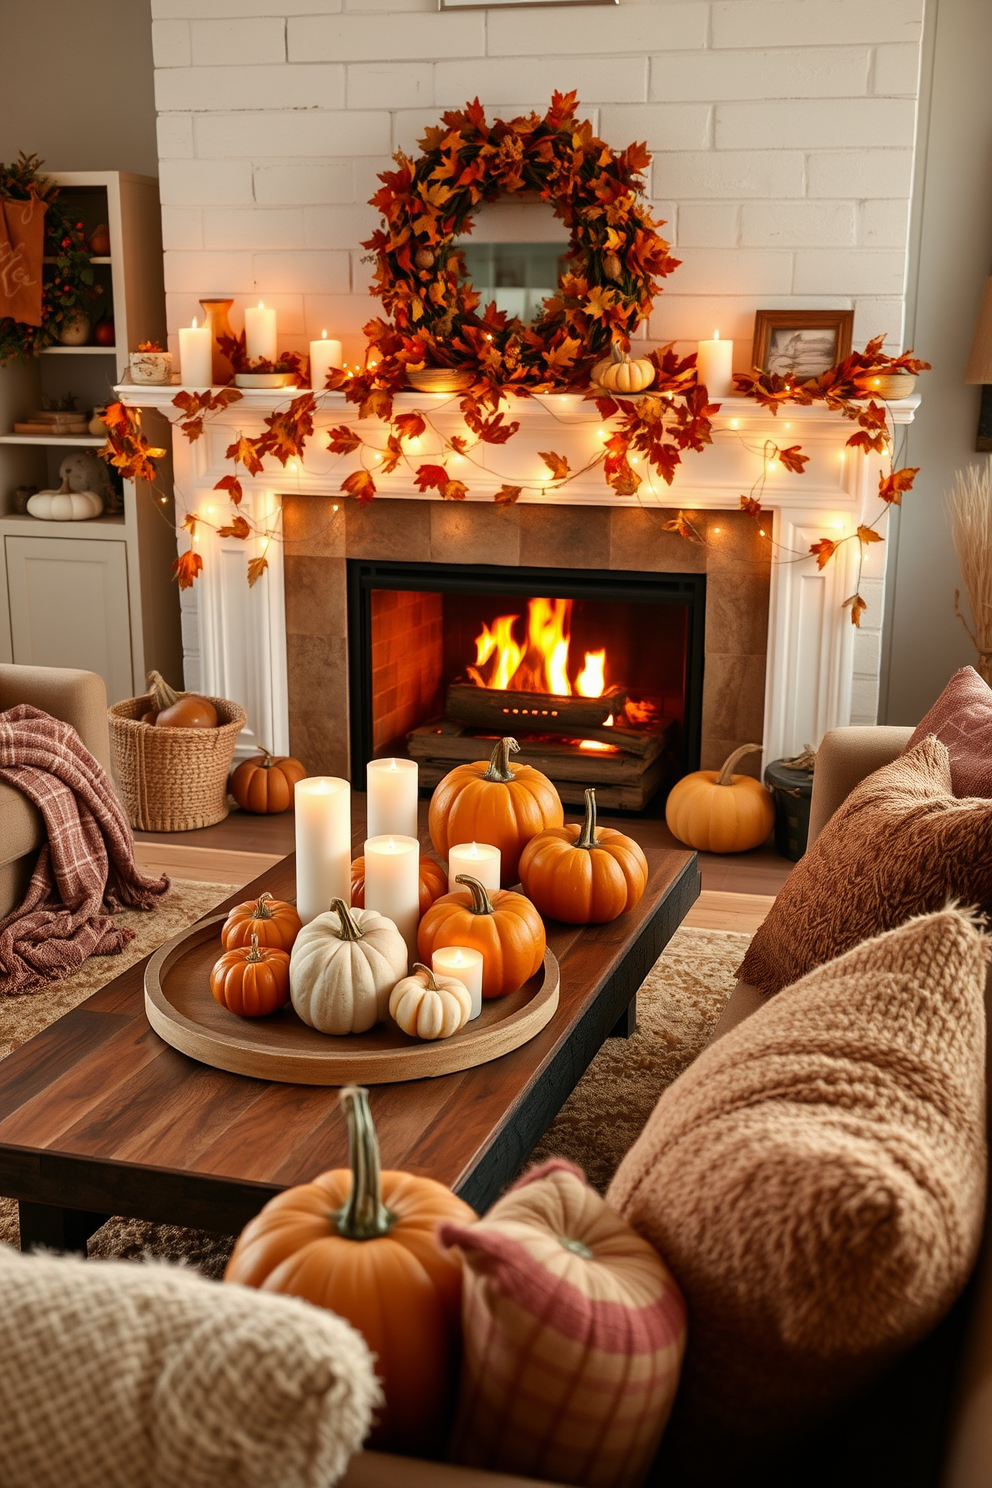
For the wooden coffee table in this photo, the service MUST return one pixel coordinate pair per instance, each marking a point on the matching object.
(98, 1116)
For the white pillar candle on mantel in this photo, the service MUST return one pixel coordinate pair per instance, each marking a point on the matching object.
(477, 859)
(323, 844)
(715, 366)
(260, 333)
(466, 964)
(325, 356)
(196, 355)
(392, 800)
(392, 883)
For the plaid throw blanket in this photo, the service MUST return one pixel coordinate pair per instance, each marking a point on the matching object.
(86, 869)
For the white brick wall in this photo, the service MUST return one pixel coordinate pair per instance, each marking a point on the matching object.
(782, 134)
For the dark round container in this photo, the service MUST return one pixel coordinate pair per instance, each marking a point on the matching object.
(792, 790)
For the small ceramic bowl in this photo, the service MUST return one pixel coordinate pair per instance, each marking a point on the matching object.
(151, 367)
(440, 380)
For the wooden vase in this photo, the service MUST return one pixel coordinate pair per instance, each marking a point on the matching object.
(221, 367)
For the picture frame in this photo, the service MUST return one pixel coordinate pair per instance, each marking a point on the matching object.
(801, 343)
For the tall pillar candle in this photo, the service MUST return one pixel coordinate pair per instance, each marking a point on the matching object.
(260, 333)
(465, 963)
(476, 858)
(715, 366)
(196, 346)
(392, 799)
(323, 844)
(325, 356)
(392, 883)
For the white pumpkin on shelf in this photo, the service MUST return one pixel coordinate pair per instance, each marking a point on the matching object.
(343, 967)
(65, 506)
(427, 1005)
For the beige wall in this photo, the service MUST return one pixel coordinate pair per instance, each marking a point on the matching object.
(77, 84)
(949, 265)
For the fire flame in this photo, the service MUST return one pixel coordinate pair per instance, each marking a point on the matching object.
(541, 664)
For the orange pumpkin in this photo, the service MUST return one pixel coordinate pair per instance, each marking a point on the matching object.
(361, 1243)
(172, 709)
(504, 926)
(499, 803)
(718, 811)
(274, 922)
(251, 981)
(433, 883)
(583, 875)
(265, 786)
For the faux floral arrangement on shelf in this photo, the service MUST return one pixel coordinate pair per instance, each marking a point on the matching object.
(616, 259)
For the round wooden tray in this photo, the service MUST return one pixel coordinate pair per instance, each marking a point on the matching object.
(182, 1011)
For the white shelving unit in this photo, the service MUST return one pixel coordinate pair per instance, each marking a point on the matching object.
(96, 594)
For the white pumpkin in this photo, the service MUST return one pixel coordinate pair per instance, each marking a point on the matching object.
(429, 1006)
(343, 967)
(65, 506)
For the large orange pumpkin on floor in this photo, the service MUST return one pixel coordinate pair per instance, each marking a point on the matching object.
(265, 786)
(361, 1243)
(433, 883)
(718, 811)
(504, 926)
(251, 981)
(274, 922)
(584, 875)
(498, 803)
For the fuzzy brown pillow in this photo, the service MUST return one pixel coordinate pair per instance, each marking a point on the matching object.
(816, 1179)
(962, 719)
(901, 844)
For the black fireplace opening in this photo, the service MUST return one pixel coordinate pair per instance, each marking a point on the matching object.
(597, 674)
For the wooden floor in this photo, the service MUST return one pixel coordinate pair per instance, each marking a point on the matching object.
(738, 888)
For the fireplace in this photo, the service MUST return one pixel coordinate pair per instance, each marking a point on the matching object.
(597, 673)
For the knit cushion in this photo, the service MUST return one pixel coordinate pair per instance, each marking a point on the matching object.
(816, 1179)
(117, 1375)
(901, 844)
(962, 719)
(574, 1333)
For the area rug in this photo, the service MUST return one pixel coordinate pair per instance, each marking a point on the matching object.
(677, 1006)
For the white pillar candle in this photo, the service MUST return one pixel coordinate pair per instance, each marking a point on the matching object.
(260, 333)
(466, 964)
(196, 344)
(323, 844)
(325, 356)
(715, 366)
(392, 800)
(392, 883)
(477, 859)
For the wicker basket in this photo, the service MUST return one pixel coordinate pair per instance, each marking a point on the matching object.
(890, 386)
(440, 380)
(173, 779)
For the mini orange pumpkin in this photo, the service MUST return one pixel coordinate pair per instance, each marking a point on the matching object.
(251, 981)
(361, 1243)
(583, 875)
(505, 927)
(273, 921)
(433, 883)
(499, 803)
(718, 811)
(265, 786)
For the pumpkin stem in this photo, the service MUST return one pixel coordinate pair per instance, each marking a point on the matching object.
(363, 1215)
(726, 775)
(431, 982)
(267, 760)
(481, 902)
(499, 761)
(164, 696)
(262, 910)
(254, 955)
(617, 355)
(587, 837)
(350, 928)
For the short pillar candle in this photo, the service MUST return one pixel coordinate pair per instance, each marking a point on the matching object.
(196, 349)
(466, 964)
(715, 366)
(325, 356)
(260, 333)
(477, 859)
(392, 797)
(392, 883)
(323, 844)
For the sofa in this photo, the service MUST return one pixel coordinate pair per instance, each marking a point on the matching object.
(78, 698)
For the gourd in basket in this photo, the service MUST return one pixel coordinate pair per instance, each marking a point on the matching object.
(171, 709)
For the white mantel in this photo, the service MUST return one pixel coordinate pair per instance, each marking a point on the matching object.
(821, 672)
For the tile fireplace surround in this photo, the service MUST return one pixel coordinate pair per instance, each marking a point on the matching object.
(782, 661)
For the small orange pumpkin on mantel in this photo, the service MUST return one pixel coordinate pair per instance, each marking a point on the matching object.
(718, 811)
(274, 922)
(361, 1243)
(504, 926)
(495, 802)
(265, 786)
(583, 875)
